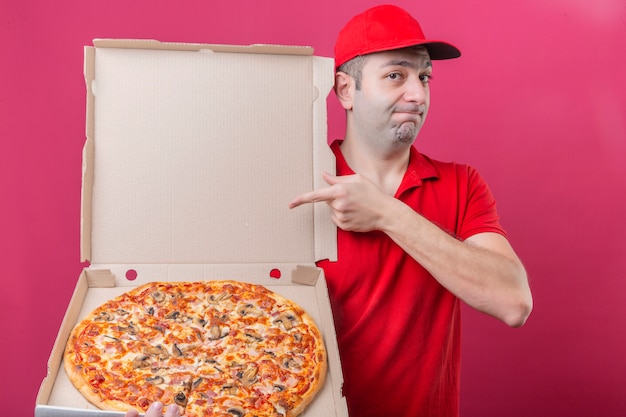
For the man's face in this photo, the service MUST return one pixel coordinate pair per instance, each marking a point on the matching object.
(391, 105)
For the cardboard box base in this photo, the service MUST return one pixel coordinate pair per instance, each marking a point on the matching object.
(304, 285)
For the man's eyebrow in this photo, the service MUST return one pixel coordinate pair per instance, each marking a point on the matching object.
(405, 63)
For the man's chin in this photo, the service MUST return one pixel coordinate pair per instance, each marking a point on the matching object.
(407, 132)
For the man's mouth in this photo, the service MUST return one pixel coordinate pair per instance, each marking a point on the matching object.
(419, 110)
(412, 116)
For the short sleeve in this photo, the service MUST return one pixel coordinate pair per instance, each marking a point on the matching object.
(479, 212)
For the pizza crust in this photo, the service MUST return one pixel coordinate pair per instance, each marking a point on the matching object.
(73, 369)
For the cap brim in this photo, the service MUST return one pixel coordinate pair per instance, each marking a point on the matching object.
(441, 50)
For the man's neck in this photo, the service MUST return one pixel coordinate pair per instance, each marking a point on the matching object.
(384, 167)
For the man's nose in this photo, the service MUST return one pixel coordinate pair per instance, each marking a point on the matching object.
(416, 90)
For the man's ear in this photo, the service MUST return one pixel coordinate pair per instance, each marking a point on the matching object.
(344, 89)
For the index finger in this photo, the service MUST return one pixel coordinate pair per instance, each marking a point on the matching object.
(314, 196)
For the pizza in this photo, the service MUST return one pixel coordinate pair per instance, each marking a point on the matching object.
(215, 348)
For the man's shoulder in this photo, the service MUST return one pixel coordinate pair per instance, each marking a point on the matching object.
(443, 163)
(444, 169)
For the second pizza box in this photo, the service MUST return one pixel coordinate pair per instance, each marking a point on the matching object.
(193, 152)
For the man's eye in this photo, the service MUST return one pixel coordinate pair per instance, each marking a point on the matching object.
(394, 76)
(425, 78)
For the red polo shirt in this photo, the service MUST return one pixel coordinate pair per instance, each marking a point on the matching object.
(398, 329)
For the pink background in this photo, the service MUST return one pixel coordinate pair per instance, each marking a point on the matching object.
(537, 103)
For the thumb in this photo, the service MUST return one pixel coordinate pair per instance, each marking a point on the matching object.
(330, 178)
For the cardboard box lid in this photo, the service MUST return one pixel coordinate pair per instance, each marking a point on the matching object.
(193, 152)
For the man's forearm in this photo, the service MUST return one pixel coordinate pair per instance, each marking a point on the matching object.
(483, 271)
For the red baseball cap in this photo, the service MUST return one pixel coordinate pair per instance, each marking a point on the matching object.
(384, 28)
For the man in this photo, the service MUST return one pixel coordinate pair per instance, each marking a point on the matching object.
(415, 235)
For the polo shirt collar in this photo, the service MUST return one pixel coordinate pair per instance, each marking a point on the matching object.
(420, 168)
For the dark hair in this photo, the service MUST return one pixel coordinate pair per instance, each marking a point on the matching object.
(354, 68)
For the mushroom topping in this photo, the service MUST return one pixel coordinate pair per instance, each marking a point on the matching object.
(181, 399)
(176, 351)
(156, 380)
(253, 336)
(214, 299)
(141, 362)
(130, 329)
(158, 350)
(286, 320)
(151, 350)
(196, 383)
(230, 389)
(104, 316)
(173, 315)
(215, 332)
(290, 363)
(236, 411)
(279, 388)
(159, 328)
(248, 310)
(249, 376)
(158, 296)
(163, 354)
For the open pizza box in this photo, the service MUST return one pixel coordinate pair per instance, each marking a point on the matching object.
(193, 153)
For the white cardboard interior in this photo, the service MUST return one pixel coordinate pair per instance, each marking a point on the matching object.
(200, 153)
(192, 154)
